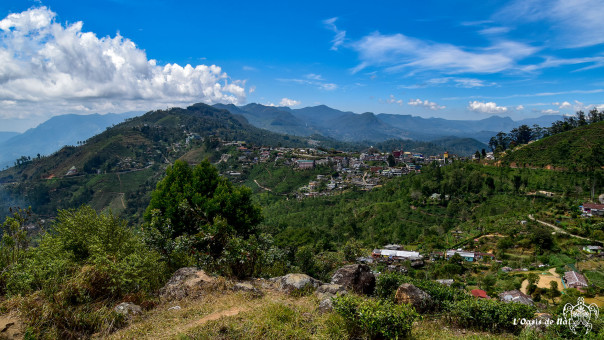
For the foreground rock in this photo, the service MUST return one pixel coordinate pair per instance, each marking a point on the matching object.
(128, 309)
(409, 294)
(295, 282)
(330, 290)
(357, 278)
(186, 282)
(248, 288)
(10, 327)
(326, 305)
(325, 293)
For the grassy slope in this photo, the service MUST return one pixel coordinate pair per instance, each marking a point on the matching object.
(568, 150)
(228, 315)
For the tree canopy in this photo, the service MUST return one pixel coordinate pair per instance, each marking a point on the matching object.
(190, 198)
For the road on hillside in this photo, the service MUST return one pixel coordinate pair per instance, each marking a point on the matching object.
(560, 230)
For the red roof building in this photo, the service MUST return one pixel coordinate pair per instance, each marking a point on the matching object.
(591, 209)
(479, 293)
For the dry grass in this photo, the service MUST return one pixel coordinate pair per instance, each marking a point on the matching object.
(211, 315)
(238, 315)
(590, 265)
(440, 329)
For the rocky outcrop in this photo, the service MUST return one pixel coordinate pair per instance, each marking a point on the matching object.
(326, 305)
(293, 282)
(409, 294)
(247, 288)
(357, 278)
(186, 282)
(325, 293)
(128, 309)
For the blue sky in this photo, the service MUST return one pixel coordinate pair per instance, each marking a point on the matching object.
(450, 59)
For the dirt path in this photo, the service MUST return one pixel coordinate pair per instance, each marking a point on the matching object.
(525, 284)
(558, 229)
(265, 188)
(215, 316)
(122, 198)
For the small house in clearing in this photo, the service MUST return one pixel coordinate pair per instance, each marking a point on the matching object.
(479, 293)
(516, 296)
(575, 280)
(466, 255)
(592, 209)
(593, 249)
(398, 255)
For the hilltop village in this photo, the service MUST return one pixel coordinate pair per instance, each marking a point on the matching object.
(337, 170)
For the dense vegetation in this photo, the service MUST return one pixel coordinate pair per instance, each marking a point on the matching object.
(67, 278)
(578, 149)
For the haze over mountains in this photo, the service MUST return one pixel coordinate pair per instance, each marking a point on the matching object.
(352, 127)
(55, 133)
(348, 126)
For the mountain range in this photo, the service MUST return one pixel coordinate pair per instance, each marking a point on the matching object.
(55, 133)
(352, 127)
(332, 124)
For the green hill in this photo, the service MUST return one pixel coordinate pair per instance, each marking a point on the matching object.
(119, 167)
(579, 149)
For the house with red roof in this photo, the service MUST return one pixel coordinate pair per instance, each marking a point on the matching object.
(479, 293)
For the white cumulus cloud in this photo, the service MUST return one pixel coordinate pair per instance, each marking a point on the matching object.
(394, 100)
(289, 102)
(563, 105)
(489, 107)
(425, 103)
(45, 65)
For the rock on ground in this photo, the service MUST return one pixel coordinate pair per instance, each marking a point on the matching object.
(186, 282)
(409, 294)
(326, 305)
(292, 282)
(10, 327)
(355, 277)
(248, 288)
(128, 309)
(329, 290)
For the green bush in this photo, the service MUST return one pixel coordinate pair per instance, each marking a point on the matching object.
(87, 264)
(376, 319)
(387, 284)
(491, 315)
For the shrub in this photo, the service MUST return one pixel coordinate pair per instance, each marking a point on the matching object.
(387, 284)
(79, 272)
(491, 315)
(375, 318)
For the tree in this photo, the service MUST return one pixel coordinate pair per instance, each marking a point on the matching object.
(542, 238)
(553, 290)
(391, 161)
(188, 198)
(521, 134)
(533, 278)
(195, 210)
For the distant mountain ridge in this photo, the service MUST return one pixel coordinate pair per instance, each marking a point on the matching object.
(55, 133)
(352, 127)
